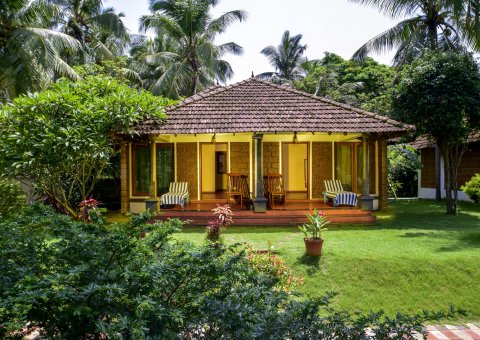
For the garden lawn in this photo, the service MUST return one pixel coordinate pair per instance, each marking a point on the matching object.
(415, 258)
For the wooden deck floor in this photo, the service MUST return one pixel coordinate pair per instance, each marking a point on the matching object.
(199, 213)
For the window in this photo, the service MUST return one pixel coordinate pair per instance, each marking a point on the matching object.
(349, 166)
(165, 170)
(141, 169)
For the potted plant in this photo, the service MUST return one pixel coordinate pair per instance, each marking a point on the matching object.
(312, 231)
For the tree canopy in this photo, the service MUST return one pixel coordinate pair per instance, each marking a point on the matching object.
(364, 85)
(440, 94)
(62, 138)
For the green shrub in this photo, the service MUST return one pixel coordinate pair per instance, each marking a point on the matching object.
(472, 188)
(13, 198)
(73, 280)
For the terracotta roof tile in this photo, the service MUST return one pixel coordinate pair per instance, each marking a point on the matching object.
(259, 106)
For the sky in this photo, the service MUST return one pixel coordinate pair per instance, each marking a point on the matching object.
(337, 26)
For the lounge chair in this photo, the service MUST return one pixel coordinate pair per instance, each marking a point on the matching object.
(177, 194)
(334, 190)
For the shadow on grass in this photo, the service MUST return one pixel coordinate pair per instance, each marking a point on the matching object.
(466, 241)
(459, 240)
(313, 263)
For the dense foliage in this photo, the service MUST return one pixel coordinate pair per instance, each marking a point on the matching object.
(403, 163)
(472, 188)
(364, 85)
(13, 198)
(74, 280)
(61, 139)
(30, 50)
(440, 94)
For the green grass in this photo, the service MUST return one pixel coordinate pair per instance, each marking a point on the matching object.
(415, 258)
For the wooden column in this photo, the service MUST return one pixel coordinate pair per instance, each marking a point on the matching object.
(366, 199)
(124, 178)
(259, 202)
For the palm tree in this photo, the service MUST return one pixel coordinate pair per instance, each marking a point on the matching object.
(430, 24)
(99, 30)
(287, 59)
(196, 61)
(30, 53)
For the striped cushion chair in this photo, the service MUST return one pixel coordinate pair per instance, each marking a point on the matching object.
(334, 190)
(177, 194)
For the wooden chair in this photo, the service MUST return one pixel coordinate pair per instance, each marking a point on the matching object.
(234, 188)
(274, 189)
(177, 194)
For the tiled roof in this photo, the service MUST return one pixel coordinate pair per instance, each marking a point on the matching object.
(255, 105)
(423, 142)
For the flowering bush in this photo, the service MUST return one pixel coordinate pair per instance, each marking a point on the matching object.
(224, 219)
(271, 264)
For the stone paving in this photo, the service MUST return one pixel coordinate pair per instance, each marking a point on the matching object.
(468, 331)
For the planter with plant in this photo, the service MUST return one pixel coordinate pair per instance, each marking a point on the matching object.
(313, 232)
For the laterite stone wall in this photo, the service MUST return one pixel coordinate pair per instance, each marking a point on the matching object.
(187, 166)
(240, 158)
(321, 166)
(382, 174)
(271, 158)
(428, 168)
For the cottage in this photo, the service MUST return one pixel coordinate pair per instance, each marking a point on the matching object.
(255, 128)
(469, 166)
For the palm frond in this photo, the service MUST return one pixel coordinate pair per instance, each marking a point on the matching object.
(110, 22)
(387, 40)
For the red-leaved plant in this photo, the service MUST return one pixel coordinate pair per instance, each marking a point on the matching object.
(89, 210)
(224, 219)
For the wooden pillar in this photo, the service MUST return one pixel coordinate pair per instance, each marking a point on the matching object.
(366, 199)
(259, 202)
(152, 202)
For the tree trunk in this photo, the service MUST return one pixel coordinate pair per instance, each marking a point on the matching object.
(438, 177)
(452, 157)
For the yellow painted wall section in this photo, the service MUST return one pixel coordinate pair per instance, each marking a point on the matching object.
(297, 153)
(208, 167)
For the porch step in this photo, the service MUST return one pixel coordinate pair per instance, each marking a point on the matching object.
(272, 217)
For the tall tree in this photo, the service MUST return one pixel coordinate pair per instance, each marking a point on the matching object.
(430, 24)
(197, 61)
(286, 58)
(30, 53)
(99, 30)
(440, 93)
(365, 85)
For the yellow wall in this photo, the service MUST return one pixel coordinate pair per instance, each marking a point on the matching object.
(208, 167)
(296, 172)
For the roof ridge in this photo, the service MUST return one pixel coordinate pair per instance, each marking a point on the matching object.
(377, 116)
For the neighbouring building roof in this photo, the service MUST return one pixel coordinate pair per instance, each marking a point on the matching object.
(423, 142)
(255, 105)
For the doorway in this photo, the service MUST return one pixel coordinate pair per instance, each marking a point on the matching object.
(295, 170)
(213, 170)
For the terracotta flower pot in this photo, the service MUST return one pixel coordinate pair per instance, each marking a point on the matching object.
(313, 246)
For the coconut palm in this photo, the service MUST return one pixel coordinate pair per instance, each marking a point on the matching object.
(287, 59)
(30, 53)
(196, 61)
(100, 30)
(430, 24)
